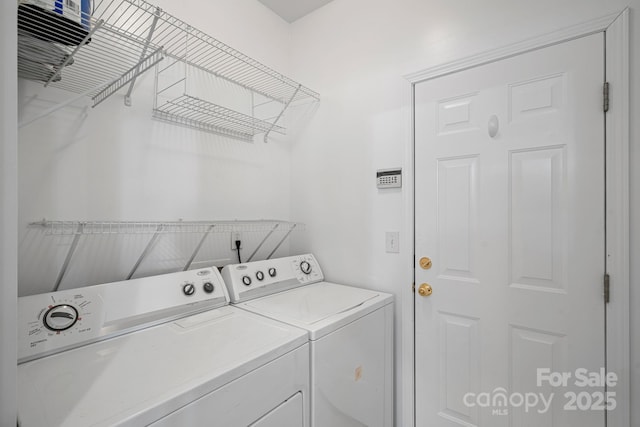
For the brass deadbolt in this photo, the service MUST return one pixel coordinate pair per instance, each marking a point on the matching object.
(425, 290)
(425, 263)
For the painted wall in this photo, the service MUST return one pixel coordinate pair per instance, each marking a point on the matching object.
(114, 162)
(8, 215)
(355, 52)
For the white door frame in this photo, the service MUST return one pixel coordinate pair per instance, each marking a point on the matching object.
(616, 28)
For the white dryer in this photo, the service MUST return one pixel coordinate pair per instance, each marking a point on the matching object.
(163, 351)
(350, 335)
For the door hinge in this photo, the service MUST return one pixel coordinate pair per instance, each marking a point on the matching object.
(605, 96)
(607, 287)
(413, 287)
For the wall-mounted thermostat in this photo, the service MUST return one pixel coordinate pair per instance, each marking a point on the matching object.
(389, 178)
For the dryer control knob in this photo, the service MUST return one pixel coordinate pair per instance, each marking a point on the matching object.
(246, 280)
(208, 287)
(305, 267)
(189, 289)
(272, 272)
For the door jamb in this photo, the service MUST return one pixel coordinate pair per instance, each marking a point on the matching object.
(616, 29)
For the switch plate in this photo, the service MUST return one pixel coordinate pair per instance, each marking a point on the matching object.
(392, 245)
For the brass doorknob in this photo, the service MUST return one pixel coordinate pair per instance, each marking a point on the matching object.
(425, 290)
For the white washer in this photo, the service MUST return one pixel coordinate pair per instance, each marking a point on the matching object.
(350, 334)
(164, 351)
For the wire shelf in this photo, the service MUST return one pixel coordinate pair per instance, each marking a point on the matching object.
(184, 42)
(265, 230)
(197, 113)
(67, 228)
(120, 39)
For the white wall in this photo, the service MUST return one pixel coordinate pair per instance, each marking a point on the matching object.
(114, 162)
(355, 52)
(8, 215)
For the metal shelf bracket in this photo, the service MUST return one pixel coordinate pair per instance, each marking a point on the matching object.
(146, 251)
(198, 247)
(130, 75)
(127, 97)
(266, 135)
(67, 260)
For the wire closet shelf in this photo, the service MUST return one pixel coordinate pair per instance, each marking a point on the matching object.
(120, 39)
(280, 230)
(153, 227)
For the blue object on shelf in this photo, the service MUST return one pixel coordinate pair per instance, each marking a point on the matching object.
(61, 21)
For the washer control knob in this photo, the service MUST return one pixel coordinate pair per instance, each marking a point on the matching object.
(60, 317)
(260, 275)
(246, 280)
(272, 272)
(189, 289)
(208, 287)
(305, 267)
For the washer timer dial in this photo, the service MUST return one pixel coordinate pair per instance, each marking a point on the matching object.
(306, 270)
(56, 320)
(305, 267)
(60, 317)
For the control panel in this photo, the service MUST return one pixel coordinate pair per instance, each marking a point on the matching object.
(56, 321)
(389, 178)
(254, 279)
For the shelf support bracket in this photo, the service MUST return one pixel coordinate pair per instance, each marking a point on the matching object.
(146, 251)
(262, 243)
(127, 97)
(198, 247)
(281, 241)
(67, 260)
(70, 57)
(266, 135)
(116, 84)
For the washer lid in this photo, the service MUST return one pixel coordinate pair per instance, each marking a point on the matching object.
(137, 378)
(320, 307)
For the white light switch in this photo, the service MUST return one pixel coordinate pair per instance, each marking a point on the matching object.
(392, 242)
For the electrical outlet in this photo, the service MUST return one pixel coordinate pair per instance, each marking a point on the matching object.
(235, 235)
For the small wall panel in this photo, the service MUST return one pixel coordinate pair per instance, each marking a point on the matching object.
(459, 367)
(537, 211)
(457, 210)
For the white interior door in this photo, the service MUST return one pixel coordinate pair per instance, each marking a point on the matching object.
(509, 197)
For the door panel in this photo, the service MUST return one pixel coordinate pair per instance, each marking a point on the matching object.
(510, 209)
(535, 207)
